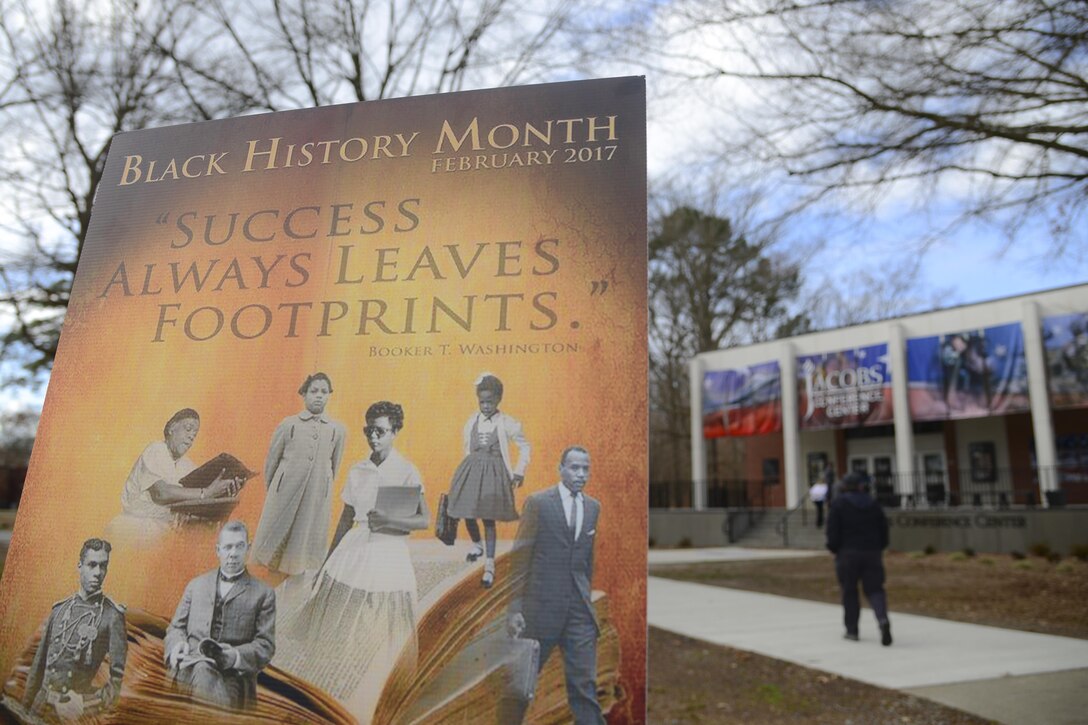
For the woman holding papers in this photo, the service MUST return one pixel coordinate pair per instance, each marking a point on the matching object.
(360, 615)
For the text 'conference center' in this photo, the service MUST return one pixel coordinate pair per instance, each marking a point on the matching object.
(981, 405)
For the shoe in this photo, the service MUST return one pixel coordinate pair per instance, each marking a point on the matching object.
(476, 553)
(489, 574)
(886, 634)
(852, 636)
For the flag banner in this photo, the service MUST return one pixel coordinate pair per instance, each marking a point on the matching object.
(1065, 338)
(742, 402)
(301, 346)
(969, 374)
(845, 389)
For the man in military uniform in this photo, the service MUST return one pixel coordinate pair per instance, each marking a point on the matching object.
(79, 633)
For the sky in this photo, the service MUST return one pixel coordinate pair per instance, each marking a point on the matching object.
(970, 264)
(968, 267)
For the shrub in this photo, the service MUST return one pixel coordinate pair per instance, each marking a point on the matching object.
(1054, 557)
(930, 550)
(916, 554)
(684, 543)
(1040, 549)
(986, 561)
(652, 542)
(957, 556)
(1065, 567)
(1079, 551)
(1017, 555)
(1023, 564)
(968, 551)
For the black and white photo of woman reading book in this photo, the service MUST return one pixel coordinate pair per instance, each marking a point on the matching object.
(154, 487)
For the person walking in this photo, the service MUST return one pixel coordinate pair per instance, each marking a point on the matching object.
(551, 603)
(817, 493)
(483, 485)
(857, 534)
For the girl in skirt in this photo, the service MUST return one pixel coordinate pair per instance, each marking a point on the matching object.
(483, 485)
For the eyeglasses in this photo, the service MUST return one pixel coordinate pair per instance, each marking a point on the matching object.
(371, 430)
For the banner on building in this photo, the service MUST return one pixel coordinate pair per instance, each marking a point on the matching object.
(969, 374)
(297, 343)
(1065, 338)
(743, 401)
(845, 389)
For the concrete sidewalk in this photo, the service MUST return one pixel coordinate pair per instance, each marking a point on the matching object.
(1009, 676)
(726, 553)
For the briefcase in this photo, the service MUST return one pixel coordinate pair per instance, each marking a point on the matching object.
(445, 526)
(520, 667)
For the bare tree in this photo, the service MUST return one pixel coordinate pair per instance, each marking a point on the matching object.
(710, 288)
(18, 428)
(980, 105)
(297, 53)
(74, 74)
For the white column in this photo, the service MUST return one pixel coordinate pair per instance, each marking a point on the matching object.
(791, 432)
(904, 429)
(696, 368)
(1046, 452)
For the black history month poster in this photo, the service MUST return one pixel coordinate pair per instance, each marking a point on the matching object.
(331, 325)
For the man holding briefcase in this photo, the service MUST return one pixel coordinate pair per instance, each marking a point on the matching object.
(553, 557)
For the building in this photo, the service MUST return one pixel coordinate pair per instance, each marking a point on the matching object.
(982, 405)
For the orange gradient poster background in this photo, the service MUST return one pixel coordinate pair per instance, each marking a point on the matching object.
(427, 240)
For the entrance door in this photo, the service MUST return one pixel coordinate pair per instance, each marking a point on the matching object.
(859, 464)
(932, 468)
(881, 470)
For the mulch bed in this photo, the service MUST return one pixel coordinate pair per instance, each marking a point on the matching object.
(695, 682)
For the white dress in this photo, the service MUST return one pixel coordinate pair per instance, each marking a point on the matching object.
(348, 633)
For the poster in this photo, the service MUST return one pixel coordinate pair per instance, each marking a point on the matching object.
(1065, 339)
(968, 374)
(742, 401)
(317, 324)
(845, 389)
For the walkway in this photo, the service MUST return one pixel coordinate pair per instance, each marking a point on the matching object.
(1009, 676)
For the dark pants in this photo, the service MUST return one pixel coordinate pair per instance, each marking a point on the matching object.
(578, 645)
(851, 567)
(819, 513)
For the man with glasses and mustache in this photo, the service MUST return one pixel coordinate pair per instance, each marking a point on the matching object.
(79, 634)
(222, 633)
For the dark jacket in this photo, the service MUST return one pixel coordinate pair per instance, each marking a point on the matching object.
(556, 572)
(855, 521)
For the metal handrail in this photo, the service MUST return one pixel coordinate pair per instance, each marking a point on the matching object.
(783, 525)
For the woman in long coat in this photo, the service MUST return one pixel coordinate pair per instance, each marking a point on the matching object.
(301, 467)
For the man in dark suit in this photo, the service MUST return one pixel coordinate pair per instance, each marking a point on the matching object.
(553, 560)
(857, 534)
(223, 632)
